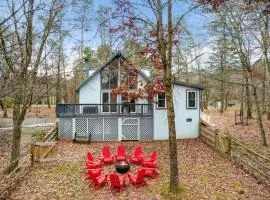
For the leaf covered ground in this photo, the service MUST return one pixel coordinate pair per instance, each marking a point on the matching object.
(39, 111)
(28, 134)
(250, 135)
(203, 175)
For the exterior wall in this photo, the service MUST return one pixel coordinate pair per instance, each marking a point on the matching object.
(90, 92)
(184, 129)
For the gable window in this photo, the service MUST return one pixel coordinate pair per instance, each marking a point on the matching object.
(109, 76)
(191, 99)
(129, 78)
(161, 100)
(109, 102)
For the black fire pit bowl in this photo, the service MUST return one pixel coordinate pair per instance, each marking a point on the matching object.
(122, 167)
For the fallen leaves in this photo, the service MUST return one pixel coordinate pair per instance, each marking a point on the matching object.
(203, 175)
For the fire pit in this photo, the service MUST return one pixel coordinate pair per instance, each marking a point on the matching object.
(122, 167)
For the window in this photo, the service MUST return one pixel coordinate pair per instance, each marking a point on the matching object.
(128, 106)
(109, 76)
(107, 98)
(129, 78)
(161, 100)
(191, 99)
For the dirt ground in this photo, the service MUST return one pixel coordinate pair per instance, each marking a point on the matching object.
(250, 135)
(203, 175)
(6, 142)
(35, 111)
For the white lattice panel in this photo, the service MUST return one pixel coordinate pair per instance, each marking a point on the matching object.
(130, 129)
(97, 127)
(146, 128)
(81, 127)
(65, 128)
(130, 120)
(110, 129)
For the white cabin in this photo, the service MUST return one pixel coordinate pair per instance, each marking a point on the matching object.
(100, 116)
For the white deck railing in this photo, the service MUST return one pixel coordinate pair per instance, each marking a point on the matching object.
(206, 118)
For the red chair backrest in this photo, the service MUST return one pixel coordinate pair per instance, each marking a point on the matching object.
(91, 173)
(138, 151)
(89, 156)
(140, 175)
(154, 156)
(121, 150)
(106, 151)
(115, 181)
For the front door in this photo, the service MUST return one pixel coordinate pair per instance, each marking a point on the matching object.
(130, 128)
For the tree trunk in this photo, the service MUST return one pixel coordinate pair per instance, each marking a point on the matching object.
(259, 116)
(48, 96)
(4, 107)
(47, 87)
(221, 110)
(263, 98)
(5, 115)
(17, 125)
(268, 111)
(242, 98)
(174, 178)
(58, 92)
(248, 100)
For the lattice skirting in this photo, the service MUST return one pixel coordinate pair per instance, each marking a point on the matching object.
(146, 128)
(65, 129)
(106, 128)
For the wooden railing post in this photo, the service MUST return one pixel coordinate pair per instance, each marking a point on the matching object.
(33, 154)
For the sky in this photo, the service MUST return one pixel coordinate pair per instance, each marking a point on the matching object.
(195, 21)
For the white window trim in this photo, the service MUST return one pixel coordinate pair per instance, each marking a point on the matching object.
(109, 92)
(187, 99)
(165, 103)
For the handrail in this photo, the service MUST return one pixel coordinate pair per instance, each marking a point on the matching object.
(82, 110)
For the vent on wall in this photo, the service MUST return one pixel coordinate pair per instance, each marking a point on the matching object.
(189, 120)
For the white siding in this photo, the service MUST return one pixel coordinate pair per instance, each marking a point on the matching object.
(184, 129)
(90, 92)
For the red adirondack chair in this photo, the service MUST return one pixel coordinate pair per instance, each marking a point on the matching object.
(90, 163)
(92, 173)
(139, 179)
(151, 163)
(98, 181)
(121, 153)
(136, 156)
(150, 172)
(117, 182)
(107, 156)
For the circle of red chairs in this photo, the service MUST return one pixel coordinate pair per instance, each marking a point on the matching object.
(116, 181)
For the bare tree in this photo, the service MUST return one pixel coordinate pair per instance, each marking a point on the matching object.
(238, 27)
(25, 61)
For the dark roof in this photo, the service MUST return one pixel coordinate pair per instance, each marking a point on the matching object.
(117, 55)
(189, 85)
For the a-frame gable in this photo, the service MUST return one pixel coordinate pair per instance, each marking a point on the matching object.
(98, 70)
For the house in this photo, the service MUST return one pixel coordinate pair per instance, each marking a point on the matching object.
(100, 116)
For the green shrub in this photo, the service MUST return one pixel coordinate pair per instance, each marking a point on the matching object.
(9, 102)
